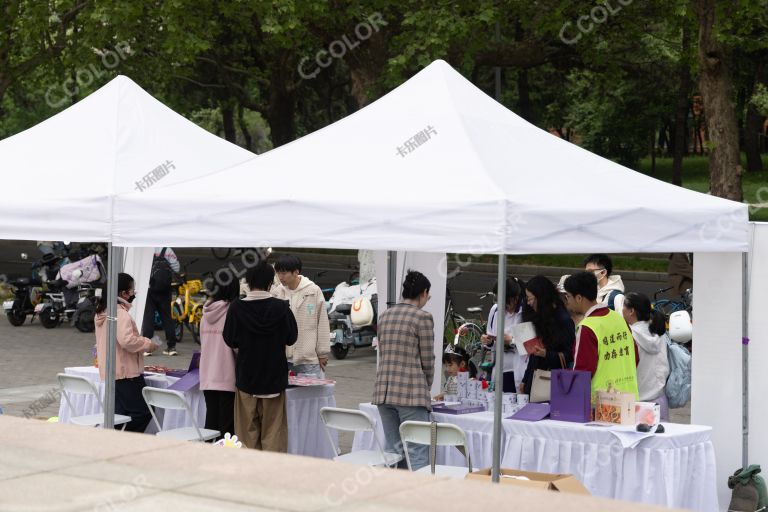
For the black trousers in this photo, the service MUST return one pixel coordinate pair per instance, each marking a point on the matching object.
(160, 302)
(130, 402)
(220, 411)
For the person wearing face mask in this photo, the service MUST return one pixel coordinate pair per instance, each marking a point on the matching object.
(129, 358)
(513, 314)
(650, 333)
(610, 287)
(406, 366)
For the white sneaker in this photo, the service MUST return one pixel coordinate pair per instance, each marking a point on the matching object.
(147, 354)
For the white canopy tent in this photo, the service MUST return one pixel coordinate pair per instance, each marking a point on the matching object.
(448, 169)
(485, 181)
(62, 174)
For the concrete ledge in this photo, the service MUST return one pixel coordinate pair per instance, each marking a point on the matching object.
(47, 466)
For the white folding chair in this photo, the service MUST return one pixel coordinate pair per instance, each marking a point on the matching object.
(170, 399)
(352, 420)
(81, 385)
(436, 434)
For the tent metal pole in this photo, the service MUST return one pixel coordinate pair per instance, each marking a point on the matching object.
(109, 371)
(391, 278)
(745, 360)
(114, 255)
(498, 367)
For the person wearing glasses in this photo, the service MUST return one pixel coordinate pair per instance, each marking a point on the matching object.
(605, 346)
(610, 287)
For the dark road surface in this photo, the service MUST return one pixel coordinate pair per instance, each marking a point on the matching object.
(329, 270)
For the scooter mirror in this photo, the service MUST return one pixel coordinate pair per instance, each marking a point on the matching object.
(24, 256)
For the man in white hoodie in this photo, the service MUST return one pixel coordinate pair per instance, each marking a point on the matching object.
(310, 353)
(610, 288)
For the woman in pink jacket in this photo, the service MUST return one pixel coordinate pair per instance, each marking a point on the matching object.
(129, 358)
(217, 360)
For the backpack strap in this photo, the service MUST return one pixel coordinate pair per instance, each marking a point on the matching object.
(612, 297)
(162, 253)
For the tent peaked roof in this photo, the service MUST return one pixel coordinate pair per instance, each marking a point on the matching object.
(60, 176)
(435, 165)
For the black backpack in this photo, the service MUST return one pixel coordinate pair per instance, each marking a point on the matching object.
(162, 273)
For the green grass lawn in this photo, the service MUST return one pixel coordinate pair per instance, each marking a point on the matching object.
(696, 177)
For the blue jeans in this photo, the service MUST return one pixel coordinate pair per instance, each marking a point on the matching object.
(391, 418)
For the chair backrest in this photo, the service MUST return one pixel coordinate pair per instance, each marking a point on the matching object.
(446, 434)
(164, 398)
(420, 432)
(77, 385)
(168, 399)
(346, 419)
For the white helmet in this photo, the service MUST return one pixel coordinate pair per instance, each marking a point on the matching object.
(680, 327)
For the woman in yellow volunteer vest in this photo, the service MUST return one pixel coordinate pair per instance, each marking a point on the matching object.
(604, 343)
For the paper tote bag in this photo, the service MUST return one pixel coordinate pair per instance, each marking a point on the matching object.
(571, 395)
(541, 387)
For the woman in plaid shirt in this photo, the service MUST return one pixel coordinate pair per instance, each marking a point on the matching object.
(406, 366)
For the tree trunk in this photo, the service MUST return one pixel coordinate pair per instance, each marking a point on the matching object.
(717, 92)
(653, 154)
(228, 120)
(753, 124)
(682, 107)
(244, 129)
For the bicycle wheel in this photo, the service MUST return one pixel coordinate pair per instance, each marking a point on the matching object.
(178, 323)
(221, 253)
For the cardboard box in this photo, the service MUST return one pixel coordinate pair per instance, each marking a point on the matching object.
(543, 481)
(615, 407)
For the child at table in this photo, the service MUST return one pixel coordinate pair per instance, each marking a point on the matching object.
(455, 360)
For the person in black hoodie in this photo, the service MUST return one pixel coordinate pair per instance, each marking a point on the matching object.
(554, 327)
(259, 327)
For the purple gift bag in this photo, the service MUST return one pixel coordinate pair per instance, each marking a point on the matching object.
(571, 398)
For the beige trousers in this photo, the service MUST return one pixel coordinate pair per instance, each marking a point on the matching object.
(261, 423)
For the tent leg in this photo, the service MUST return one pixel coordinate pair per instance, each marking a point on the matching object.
(391, 278)
(115, 259)
(498, 386)
(745, 360)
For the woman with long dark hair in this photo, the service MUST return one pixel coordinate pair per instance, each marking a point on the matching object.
(649, 330)
(513, 314)
(217, 360)
(129, 355)
(554, 327)
(406, 365)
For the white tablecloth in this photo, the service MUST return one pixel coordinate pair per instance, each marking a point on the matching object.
(675, 469)
(306, 432)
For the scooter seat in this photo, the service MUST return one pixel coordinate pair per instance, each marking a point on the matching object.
(21, 281)
(344, 309)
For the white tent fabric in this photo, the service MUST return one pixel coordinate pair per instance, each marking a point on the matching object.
(60, 176)
(482, 180)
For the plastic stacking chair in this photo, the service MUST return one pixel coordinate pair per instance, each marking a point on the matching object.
(352, 420)
(170, 399)
(436, 434)
(81, 385)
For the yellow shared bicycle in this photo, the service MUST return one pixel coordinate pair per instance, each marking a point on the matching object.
(187, 307)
